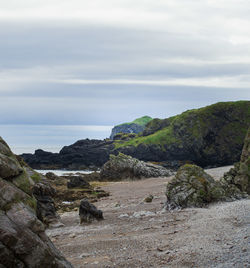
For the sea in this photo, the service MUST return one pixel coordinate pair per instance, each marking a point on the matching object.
(27, 138)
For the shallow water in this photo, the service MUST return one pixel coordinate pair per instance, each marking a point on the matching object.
(63, 172)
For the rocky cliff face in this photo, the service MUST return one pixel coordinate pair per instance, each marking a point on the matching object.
(23, 242)
(137, 126)
(210, 136)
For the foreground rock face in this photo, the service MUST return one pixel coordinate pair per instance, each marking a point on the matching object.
(23, 242)
(126, 167)
(88, 212)
(192, 187)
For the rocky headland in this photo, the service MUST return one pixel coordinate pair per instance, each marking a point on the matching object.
(209, 137)
(136, 126)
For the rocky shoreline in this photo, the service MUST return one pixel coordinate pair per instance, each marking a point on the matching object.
(212, 136)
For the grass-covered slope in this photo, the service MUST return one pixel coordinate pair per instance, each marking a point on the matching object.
(142, 121)
(212, 135)
(136, 126)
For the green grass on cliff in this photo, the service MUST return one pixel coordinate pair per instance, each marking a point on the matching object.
(193, 124)
(142, 121)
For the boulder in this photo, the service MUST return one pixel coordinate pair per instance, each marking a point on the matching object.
(51, 176)
(23, 242)
(88, 212)
(126, 167)
(45, 209)
(193, 187)
(77, 182)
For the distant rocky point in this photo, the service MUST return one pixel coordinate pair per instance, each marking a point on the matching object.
(137, 126)
(208, 137)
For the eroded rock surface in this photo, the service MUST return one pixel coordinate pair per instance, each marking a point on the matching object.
(77, 182)
(122, 167)
(23, 242)
(88, 212)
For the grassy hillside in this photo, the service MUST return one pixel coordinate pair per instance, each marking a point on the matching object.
(142, 121)
(221, 120)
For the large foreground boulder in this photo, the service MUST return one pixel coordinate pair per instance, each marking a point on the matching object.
(122, 167)
(23, 242)
(193, 187)
(88, 212)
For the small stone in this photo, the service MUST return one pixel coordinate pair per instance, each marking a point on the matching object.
(149, 199)
(123, 216)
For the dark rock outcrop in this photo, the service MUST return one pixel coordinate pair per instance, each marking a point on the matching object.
(88, 212)
(122, 167)
(77, 182)
(78, 156)
(240, 174)
(137, 126)
(23, 242)
(45, 209)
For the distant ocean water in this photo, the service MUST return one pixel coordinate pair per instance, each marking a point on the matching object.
(28, 138)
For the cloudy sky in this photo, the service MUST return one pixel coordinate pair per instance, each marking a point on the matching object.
(94, 63)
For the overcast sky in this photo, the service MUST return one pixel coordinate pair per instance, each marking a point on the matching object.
(96, 62)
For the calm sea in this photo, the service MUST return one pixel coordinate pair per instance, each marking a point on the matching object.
(28, 138)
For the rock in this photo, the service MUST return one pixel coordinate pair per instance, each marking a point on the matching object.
(140, 214)
(149, 199)
(77, 182)
(193, 187)
(239, 176)
(45, 210)
(51, 176)
(9, 164)
(126, 167)
(88, 212)
(125, 215)
(23, 242)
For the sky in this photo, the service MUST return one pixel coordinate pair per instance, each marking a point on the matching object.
(73, 69)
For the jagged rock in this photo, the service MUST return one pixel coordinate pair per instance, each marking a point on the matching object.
(9, 165)
(240, 174)
(126, 167)
(77, 182)
(45, 210)
(23, 242)
(193, 187)
(88, 212)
